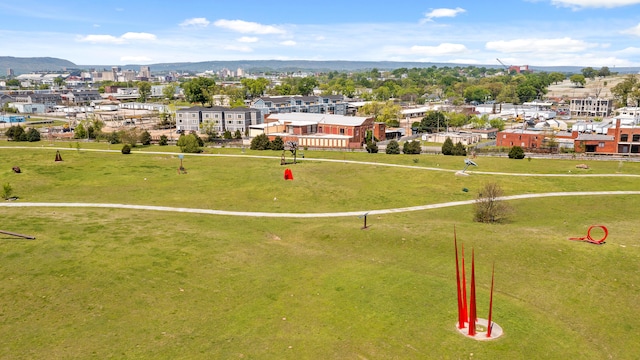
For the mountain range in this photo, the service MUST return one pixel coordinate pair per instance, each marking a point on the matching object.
(21, 65)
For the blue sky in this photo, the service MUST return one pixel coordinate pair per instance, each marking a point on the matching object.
(535, 32)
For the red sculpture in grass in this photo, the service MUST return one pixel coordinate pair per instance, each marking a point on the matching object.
(468, 320)
(288, 175)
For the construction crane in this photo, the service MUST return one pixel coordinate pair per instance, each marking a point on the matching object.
(505, 66)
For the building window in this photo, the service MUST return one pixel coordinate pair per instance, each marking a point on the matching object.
(636, 137)
(239, 116)
(215, 116)
(206, 116)
(624, 137)
(341, 131)
(600, 144)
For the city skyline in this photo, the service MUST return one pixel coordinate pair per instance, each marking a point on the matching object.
(536, 32)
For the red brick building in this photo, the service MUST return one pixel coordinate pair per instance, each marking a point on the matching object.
(324, 130)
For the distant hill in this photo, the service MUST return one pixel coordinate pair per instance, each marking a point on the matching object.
(27, 65)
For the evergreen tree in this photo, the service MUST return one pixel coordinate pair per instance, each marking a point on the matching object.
(516, 152)
(447, 147)
(459, 150)
(393, 147)
(412, 147)
(277, 144)
(260, 142)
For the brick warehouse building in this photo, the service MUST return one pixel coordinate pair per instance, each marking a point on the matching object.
(323, 130)
(611, 138)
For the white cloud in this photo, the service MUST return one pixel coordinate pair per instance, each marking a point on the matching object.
(110, 39)
(633, 31)
(440, 50)
(248, 39)
(198, 22)
(247, 27)
(539, 45)
(138, 36)
(443, 12)
(100, 39)
(579, 4)
(288, 43)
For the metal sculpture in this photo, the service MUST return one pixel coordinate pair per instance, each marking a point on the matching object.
(590, 239)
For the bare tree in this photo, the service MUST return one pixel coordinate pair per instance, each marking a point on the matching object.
(489, 208)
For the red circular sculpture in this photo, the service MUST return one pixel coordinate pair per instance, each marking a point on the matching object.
(589, 239)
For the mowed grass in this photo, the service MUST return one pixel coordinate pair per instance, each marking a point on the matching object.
(110, 283)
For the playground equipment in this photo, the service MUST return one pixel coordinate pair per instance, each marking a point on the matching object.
(590, 239)
(17, 235)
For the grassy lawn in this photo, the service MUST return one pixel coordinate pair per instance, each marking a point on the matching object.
(110, 283)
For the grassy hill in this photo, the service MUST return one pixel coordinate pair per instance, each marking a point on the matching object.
(123, 283)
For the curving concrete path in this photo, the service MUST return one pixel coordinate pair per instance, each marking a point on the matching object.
(306, 215)
(319, 215)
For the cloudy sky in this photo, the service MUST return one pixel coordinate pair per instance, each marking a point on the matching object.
(535, 32)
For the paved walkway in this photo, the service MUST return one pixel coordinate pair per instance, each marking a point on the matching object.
(307, 215)
(320, 215)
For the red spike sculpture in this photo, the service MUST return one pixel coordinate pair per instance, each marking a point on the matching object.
(461, 304)
(489, 323)
(472, 299)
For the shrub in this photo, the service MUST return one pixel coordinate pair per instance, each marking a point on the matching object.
(393, 147)
(190, 143)
(126, 149)
(516, 152)
(33, 135)
(277, 144)
(488, 207)
(145, 138)
(113, 138)
(412, 147)
(447, 147)
(15, 133)
(372, 147)
(260, 142)
(459, 149)
(164, 140)
(7, 191)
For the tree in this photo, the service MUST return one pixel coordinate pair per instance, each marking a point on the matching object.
(130, 137)
(555, 77)
(393, 147)
(260, 142)
(459, 150)
(144, 91)
(200, 90)
(386, 112)
(126, 149)
(113, 138)
(164, 140)
(432, 122)
(372, 147)
(58, 81)
(516, 152)
(624, 89)
(145, 138)
(277, 144)
(306, 85)
(488, 207)
(447, 146)
(227, 135)
(79, 132)
(169, 91)
(497, 124)
(190, 143)
(589, 72)
(412, 147)
(238, 134)
(604, 71)
(15, 133)
(33, 135)
(578, 80)
(255, 87)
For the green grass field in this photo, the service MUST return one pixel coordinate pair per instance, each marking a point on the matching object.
(113, 283)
